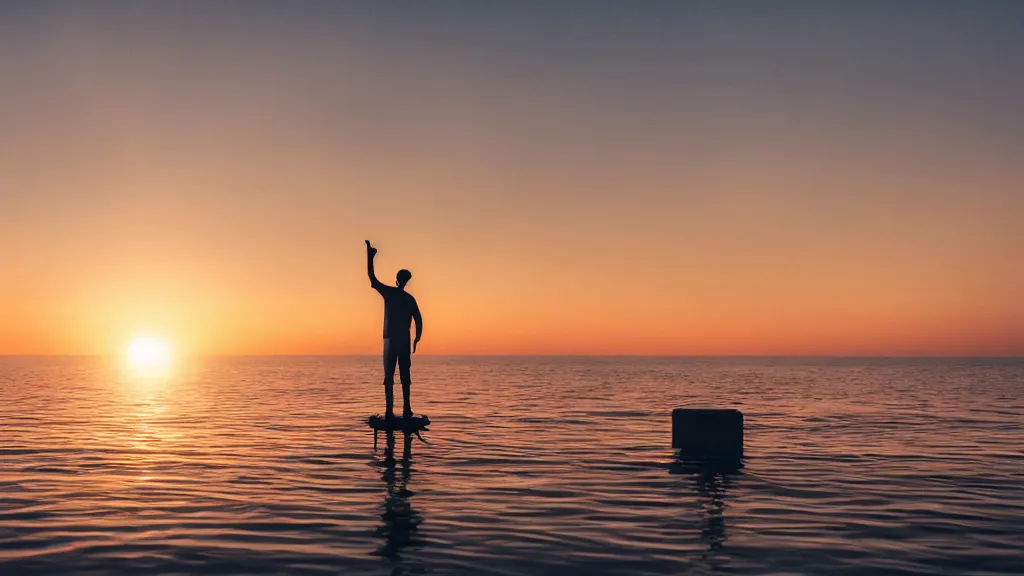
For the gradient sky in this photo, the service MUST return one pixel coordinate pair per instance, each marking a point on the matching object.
(592, 177)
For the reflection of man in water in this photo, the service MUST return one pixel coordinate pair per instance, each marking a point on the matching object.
(400, 520)
(400, 309)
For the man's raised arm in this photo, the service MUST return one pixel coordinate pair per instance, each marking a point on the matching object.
(370, 253)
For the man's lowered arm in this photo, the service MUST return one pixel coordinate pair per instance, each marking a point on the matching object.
(419, 325)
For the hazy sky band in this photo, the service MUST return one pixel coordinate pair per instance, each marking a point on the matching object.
(802, 177)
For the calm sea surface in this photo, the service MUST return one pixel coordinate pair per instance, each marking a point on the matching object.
(533, 466)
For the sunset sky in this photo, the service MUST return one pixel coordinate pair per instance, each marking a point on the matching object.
(591, 177)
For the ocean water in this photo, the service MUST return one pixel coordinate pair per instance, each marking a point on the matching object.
(265, 465)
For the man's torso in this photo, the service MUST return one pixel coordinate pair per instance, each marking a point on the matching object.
(399, 306)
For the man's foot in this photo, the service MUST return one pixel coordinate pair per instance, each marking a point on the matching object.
(407, 414)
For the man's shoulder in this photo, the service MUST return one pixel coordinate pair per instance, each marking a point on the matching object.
(407, 300)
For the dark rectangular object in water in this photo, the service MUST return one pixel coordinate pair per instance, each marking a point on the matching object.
(708, 433)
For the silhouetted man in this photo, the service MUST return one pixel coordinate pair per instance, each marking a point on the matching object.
(400, 309)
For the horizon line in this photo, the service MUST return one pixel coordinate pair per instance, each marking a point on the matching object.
(549, 355)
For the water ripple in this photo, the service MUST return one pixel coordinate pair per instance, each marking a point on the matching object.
(533, 466)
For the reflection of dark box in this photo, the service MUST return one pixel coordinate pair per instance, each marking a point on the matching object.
(705, 433)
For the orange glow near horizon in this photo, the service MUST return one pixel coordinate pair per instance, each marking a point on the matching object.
(214, 184)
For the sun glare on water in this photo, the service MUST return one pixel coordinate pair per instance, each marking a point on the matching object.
(150, 356)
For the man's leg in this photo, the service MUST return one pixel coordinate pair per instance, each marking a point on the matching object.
(390, 358)
(404, 363)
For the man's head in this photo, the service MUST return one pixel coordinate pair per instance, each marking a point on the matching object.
(403, 277)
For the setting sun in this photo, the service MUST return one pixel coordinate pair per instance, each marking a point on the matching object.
(149, 355)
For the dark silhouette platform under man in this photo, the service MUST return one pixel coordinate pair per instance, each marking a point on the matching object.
(400, 309)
